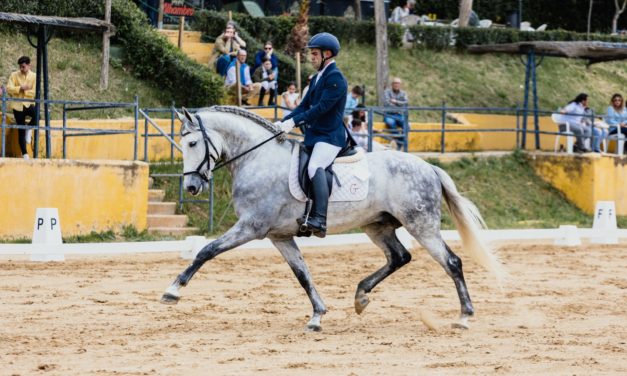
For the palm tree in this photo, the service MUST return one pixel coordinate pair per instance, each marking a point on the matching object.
(300, 32)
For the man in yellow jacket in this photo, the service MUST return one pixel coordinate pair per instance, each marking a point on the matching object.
(21, 84)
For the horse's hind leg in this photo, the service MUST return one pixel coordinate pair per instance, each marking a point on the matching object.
(452, 264)
(294, 258)
(384, 236)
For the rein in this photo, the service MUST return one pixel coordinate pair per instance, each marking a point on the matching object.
(209, 157)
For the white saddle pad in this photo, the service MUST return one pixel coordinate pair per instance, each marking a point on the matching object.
(352, 172)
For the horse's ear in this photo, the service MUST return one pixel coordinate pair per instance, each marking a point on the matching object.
(190, 117)
(180, 116)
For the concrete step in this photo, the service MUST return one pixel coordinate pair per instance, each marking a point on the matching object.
(156, 195)
(174, 231)
(167, 220)
(161, 208)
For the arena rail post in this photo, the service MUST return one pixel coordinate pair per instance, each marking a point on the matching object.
(4, 118)
(136, 113)
(64, 133)
(442, 140)
(172, 121)
(370, 130)
(517, 125)
(406, 129)
(145, 140)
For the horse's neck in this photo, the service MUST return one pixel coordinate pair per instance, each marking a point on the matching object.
(238, 137)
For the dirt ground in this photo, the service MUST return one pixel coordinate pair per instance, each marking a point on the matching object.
(562, 312)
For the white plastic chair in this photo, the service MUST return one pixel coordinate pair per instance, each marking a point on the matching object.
(541, 27)
(526, 26)
(570, 136)
(620, 142)
(485, 23)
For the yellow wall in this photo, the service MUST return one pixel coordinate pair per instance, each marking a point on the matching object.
(90, 195)
(585, 179)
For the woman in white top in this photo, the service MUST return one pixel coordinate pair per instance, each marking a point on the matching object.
(616, 116)
(290, 99)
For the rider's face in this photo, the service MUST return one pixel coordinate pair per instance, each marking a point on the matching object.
(315, 55)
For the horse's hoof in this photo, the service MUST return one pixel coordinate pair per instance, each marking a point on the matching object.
(170, 299)
(361, 302)
(313, 328)
(462, 324)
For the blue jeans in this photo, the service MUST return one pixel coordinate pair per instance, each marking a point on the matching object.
(395, 122)
(599, 135)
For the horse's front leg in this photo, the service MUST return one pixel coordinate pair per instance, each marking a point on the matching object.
(241, 233)
(294, 258)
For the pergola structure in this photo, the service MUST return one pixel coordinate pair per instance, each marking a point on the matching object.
(45, 26)
(594, 52)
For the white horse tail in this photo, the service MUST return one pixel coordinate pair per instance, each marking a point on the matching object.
(468, 221)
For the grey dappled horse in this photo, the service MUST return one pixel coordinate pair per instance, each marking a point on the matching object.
(404, 191)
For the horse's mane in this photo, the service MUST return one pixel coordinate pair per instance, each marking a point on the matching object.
(259, 120)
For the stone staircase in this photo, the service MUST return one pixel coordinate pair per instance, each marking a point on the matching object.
(162, 217)
(192, 44)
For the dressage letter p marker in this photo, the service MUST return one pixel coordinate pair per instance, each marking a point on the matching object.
(47, 230)
(40, 221)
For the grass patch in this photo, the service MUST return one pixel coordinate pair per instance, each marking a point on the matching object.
(74, 71)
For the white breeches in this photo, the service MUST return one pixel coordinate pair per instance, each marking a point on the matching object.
(268, 85)
(322, 156)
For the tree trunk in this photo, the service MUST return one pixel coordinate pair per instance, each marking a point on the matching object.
(382, 50)
(104, 69)
(589, 19)
(357, 6)
(465, 7)
(619, 11)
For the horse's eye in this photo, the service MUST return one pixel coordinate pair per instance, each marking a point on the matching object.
(192, 144)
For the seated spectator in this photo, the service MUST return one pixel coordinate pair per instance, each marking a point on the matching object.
(616, 116)
(21, 84)
(401, 12)
(267, 53)
(290, 99)
(352, 99)
(225, 49)
(267, 77)
(359, 132)
(599, 130)
(249, 89)
(395, 120)
(358, 113)
(574, 115)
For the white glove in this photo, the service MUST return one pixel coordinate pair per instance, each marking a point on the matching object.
(285, 126)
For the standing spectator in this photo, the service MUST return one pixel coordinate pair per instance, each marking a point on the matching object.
(395, 120)
(21, 84)
(267, 53)
(225, 49)
(249, 89)
(290, 99)
(574, 113)
(267, 77)
(616, 116)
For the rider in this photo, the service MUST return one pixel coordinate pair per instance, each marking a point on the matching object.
(320, 113)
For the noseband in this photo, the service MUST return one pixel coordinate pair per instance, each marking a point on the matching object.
(208, 157)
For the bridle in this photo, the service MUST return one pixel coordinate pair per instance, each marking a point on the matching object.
(209, 157)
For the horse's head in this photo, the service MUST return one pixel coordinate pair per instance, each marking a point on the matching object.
(199, 153)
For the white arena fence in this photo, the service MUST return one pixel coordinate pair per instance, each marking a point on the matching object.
(192, 244)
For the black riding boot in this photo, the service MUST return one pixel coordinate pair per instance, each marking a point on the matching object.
(272, 97)
(262, 93)
(317, 221)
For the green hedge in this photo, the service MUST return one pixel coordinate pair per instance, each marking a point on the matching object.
(441, 37)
